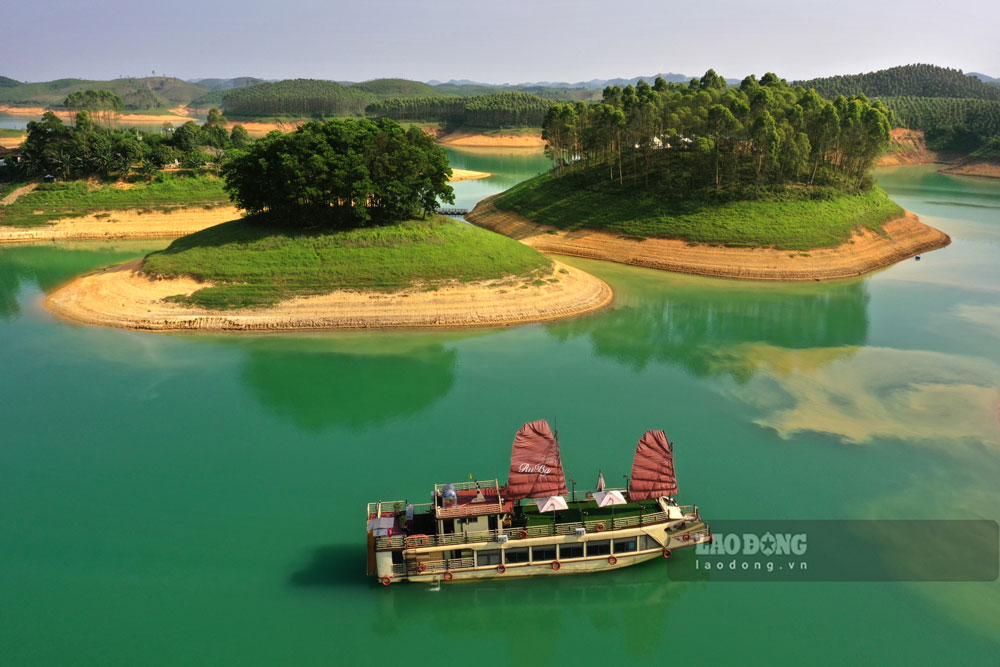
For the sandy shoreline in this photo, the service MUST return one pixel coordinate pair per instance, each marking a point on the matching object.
(467, 175)
(124, 118)
(123, 224)
(489, 140)
(864, 253)
(911, 149)
(121, 297)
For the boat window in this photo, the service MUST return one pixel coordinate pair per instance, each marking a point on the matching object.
(488, 557)
(570, 551)
(649, 543)
(625, 546)
(599, 548)
(516, 555)
(547, 552)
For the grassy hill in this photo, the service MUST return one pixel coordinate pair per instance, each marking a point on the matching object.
(397, 88)
(6, 82)
(258, 261)
(796, 221)
(147, 93)
(907, 80)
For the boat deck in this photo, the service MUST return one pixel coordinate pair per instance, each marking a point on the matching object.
(583, 511)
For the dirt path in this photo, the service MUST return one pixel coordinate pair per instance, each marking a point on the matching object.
(865, 252)
(122, 224)
(124, 298)
(17, 192)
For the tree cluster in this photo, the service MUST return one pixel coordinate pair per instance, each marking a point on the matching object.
(705, 139)
(907, 80)
(86, 149)
(296, 96)
(342, 172)
(496, 110)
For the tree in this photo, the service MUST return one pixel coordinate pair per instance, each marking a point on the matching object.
(238, 137)
(343, 172)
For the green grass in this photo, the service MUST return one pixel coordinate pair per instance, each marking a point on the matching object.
(257, 261)
(800, 219)
(53, 201)
(7, 132)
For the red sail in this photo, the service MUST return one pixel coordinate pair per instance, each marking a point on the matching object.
(653, 468)
(535, 467)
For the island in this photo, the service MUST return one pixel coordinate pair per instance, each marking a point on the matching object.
(344, 238)
(761, 181)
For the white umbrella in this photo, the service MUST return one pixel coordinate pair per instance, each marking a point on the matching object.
(607, 498)
(551, 504)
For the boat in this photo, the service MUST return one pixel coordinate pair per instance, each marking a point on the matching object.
(533, 525)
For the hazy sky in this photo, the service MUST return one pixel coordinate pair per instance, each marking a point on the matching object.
(499, 41)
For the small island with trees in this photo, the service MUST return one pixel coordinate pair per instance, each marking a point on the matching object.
(765, 180)
(340, 231)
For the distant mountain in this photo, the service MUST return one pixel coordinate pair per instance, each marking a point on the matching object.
(984, 78)
(906, 80)
(593, 84)
(226, 84)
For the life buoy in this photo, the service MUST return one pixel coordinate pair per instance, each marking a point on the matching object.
(415, 541)
(612, 560)
(422, 567)
(448, 576)
(666, 553)
(386, 581)
(600, 527)
(687, 537)
(501, 569)
(556, 565)
(522, 534)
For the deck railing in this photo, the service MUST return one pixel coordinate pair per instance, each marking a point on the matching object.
(469, 509)
(542, 530)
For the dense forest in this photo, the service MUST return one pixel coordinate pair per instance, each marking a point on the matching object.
(297, 96)
(965, 125)
(344, 172)
(84, 148)
(906, 80)
(397, 88)
(958, 112)
(704, 140)
(509, 109)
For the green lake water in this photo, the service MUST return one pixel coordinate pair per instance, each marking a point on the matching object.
(192, 499)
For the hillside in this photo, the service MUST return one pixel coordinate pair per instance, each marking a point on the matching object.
(508, 109)
(6, 82)
(138, 94)
(257, 261)
(906, 80)
(227, 84)
(296, 97)
(397, 88)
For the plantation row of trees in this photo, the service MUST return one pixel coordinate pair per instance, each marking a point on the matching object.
(704, 139)
(103, 105)
(297, 96)
(907, 80)
(343, 172)
(85, 149)
(950, 123)
(507, 109)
